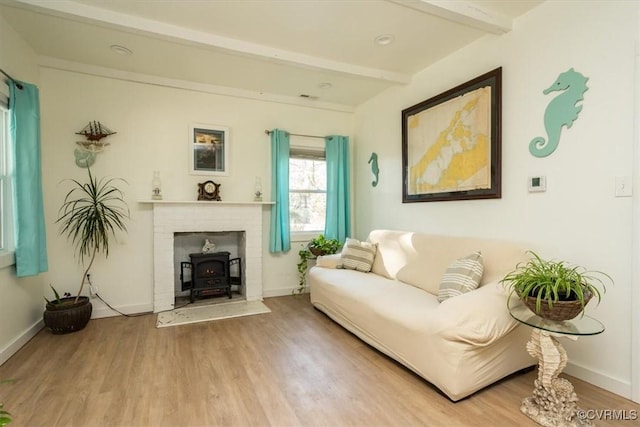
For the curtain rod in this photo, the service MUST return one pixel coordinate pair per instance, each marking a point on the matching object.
(11, 78)
(268, 132)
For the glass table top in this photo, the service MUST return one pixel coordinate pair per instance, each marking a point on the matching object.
(581, 325)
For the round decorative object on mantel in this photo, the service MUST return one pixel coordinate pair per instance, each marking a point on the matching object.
(209, 190)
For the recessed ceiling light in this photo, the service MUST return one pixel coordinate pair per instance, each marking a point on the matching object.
(121, 50)
(384, 39)
(325, 85)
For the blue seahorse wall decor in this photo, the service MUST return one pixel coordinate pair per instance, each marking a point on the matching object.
(563, 110)
(373, 160)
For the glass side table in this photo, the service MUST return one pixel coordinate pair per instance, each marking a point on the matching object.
(554, 401)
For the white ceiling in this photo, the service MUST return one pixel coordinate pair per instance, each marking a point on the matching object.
(270, 48)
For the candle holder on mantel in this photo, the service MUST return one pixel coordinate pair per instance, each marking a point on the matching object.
(156, 186)
(258, 190)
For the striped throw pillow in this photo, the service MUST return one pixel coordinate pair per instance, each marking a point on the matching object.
(463, 275)
(357, 255)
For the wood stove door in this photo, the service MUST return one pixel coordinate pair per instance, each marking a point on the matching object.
(186, 271)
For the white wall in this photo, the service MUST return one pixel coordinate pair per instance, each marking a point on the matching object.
(21, 302)
(578, 218)
(152, 134)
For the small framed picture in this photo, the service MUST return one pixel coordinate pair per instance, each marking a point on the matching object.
(208, 150)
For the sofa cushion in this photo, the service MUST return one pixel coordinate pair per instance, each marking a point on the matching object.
(328, 261)
(462, 276)
(393, 251)
(357, 255)
(420, 259)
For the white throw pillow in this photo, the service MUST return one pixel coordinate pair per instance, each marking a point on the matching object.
(463, 275)
(357, 255)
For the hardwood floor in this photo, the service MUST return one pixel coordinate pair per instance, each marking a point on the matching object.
(292, 367)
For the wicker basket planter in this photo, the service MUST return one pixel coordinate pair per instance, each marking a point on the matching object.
(315, 251)
(561, 310)
(67, 316)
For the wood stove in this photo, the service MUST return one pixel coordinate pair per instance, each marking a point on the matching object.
(210, 274)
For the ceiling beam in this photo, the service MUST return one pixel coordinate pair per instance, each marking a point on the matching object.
(86, 13)
(462, 12)
(128, 76)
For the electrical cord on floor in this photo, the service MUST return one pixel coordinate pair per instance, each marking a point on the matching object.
(146, 313)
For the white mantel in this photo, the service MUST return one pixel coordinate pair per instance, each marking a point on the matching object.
(203, 202)
(170, 217)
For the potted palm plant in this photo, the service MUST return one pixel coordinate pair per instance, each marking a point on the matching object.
(91, 213)
(555, 290)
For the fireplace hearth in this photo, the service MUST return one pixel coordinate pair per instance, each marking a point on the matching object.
(210, 274)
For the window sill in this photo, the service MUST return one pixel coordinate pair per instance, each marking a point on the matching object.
(7, 258)
(304, 236)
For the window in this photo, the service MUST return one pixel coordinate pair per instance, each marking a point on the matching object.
(6, 224)
(307, 189)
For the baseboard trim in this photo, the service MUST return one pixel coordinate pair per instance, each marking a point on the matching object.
(614, 385)
(269, 293)
(103, 311)
(20, 341)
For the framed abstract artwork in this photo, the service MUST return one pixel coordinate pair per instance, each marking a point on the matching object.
(208, 150)
(451, 143)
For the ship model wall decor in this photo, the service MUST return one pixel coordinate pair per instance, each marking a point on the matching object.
(94, 133)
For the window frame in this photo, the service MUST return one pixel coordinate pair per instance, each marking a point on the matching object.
(308, 152)
(7, 243)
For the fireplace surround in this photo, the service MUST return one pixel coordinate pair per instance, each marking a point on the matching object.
(171, 217)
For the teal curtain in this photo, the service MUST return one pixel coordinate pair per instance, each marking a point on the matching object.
(31, 244)
(279, 236)
(338, 220)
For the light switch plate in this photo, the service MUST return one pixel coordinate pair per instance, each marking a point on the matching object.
(623, 186)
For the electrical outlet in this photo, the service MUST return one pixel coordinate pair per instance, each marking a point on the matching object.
(93, 290)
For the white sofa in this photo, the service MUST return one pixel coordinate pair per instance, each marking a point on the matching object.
(460, 345)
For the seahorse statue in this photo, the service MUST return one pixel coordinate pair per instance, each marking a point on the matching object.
(554, 401)
(553, 357)
(373, 160)
(563, 110)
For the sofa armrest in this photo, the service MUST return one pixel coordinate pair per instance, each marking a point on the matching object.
(479, 317)
(328, 261)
